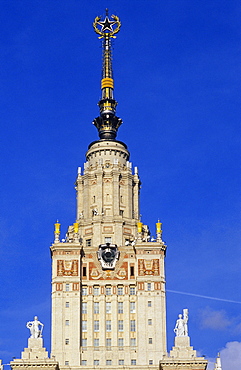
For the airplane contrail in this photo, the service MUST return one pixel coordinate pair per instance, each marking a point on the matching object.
(202, 296)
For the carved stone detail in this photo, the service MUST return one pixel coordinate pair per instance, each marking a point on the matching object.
(67, 268)
(107, 179)
(148, 267)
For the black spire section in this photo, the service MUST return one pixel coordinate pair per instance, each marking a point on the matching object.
(107, 123)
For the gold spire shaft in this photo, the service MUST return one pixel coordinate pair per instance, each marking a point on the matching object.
(107, 65)
(107, 82)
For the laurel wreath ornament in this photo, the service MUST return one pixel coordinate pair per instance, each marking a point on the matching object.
(112, 33)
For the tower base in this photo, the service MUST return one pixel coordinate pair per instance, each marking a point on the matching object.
(34, 357)
(183, 357)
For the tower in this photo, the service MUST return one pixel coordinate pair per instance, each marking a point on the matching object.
(108, 280)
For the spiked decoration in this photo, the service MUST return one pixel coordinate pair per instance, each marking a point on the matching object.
(107, 123)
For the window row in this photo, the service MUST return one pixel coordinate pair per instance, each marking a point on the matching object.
(108, 362)
(108, 290)
(120, 307)
(67, 287)
(97, 291)
(108, 325)
(108, 342)
(108, 307)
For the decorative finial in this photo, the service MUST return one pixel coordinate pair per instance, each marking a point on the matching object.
(56, 231)
(159, 230)
(76, 227)
(107, 123)
(106, 27)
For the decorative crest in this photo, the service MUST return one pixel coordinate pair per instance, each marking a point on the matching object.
(107, 27)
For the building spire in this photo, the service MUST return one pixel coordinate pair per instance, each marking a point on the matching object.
(107, 123)
(218, 365)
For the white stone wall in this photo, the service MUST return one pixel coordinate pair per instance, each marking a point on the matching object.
(108, 207)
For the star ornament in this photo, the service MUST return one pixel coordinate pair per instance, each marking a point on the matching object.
(107, 25)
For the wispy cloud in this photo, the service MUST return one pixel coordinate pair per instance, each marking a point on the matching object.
(216, 320)
(203, 296)
(231, 356)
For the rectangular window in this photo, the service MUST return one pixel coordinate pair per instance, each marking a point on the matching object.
(120, 325)
(150, 362)
(120, 290)
(150, 340)
(108, 307)
(96, 290)
(120, 307)
(66, 363)
(88, 243)
(96, 342)
(149, 287)
(67, 287)
(149, 304)
(108, 342)
(132, 290)
(96, 362)
(108, 239)
(132, 271)
(84, 362)
(67, 304)
(96, 307)
(133, 362)
(67, 341)
(132, 307)
(84, 342)
(108, 362)
(84, 307)
(108, 325)
(96, 325)
(84, 271)
(108, 290)
(121, 362)
(149, 321)
(67, 322)
(84, 290)
(120, 342)
(84, 325)
(133, 342)
(133, 325)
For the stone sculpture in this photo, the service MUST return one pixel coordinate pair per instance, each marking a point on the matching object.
(181, 329)
(33, 326)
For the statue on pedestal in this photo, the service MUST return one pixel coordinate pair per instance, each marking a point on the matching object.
(181, 329)
(33, 326)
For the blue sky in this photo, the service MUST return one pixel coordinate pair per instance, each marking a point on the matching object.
(177, 81)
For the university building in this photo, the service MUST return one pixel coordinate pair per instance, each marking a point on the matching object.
(108, 275)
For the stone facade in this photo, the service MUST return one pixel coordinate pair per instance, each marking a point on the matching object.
(108, 316)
